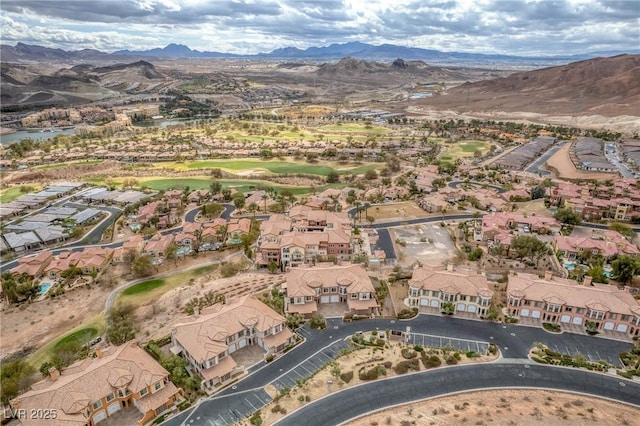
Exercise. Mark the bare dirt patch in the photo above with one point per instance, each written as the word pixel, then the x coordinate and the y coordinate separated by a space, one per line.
pixel 506 407
pixel 429 244
pixel 158 316
pixel 560 163
pixel 406 210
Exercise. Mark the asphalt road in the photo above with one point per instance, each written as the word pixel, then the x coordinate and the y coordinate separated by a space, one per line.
pixel 320 347
pixel 342 406
pixel 539 162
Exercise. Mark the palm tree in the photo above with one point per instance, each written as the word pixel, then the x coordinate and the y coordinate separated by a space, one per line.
pixel 253 207
pixel 265 197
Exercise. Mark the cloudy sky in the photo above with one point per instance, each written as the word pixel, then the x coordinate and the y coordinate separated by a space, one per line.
pixel 252 26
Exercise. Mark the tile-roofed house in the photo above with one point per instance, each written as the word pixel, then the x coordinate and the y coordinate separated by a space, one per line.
pixel 468 290
pixel 563 301
pixel 33 265
pixel 328 283
pixel 157 245
pixel 236 228
pixel 93 389
pixel 209 340
pixel 606 243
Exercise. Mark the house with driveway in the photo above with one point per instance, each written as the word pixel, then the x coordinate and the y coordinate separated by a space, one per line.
pixel 308 287
pixel 563 301
pixel 91 390
pixel 209 340
pixel 468 291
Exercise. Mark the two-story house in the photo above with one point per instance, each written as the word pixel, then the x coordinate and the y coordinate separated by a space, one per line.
pixel 209 341
pixel 308 286
pixel 93 389
pixel 563 301
pixel 468 291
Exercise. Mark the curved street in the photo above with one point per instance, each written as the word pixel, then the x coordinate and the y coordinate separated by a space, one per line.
pixel 340 407
pixel 514 341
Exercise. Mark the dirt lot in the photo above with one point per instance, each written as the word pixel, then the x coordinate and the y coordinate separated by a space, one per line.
pixel 430 244
pixel 398 211
pixel 507 407
pixel 561 165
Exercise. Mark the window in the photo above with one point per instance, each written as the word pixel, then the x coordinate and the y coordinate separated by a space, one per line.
pixel 143 392
pixel 568 308
pixel 120 393
pixel 110 397
pixel 97 405
pixel 325 290
pixel 613 315
pixel 158 386
pixel 308 298
pixel 435 294
pixel 354 295
pixel 334 289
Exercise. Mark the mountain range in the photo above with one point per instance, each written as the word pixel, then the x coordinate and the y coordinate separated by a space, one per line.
pixel 24 52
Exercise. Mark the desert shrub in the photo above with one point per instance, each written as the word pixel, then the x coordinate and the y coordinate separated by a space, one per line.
pixel 457 356
pixel 346 376
pixel 418 348
pixel 387 364
pixel 407 313
pixel 432 361
pixel 451 360
pixel 403 366
pixel 408 353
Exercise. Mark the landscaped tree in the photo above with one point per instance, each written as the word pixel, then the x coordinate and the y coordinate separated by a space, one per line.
pixel 239 201
pixel 624 268
pixel 141 266
pixel 447 308
pixel 211 210
pixel 622 228
pixel 215 187
pixel 121 324
pixel 15 379
pixel 537 192
pixel 568 216
pixel 333 177
pixel 253 208
pixel 272 266
pixel 528 246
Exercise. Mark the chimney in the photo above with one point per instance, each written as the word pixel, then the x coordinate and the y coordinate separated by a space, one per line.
pixel 548 275
pixel 54 374
pixel 99 353
pixel 449 267
pixel 587 280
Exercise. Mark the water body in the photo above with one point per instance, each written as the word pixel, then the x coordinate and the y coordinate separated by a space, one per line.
pixel 36 136
pixel 167 123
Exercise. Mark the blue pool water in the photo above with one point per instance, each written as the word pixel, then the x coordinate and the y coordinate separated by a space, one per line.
pixel 182 250
pixel 569 266
pixel 44 288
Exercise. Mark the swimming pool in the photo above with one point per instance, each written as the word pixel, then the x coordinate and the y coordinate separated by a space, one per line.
pixel 182 251
pixel 44 288
pixel 569 266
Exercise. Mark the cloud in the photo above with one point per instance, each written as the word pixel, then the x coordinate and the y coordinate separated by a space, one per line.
pixel 249 26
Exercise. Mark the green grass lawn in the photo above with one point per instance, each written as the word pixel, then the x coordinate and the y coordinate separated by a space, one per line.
pixel 10 194
pixel 143 287
pixel 155 288
pixel 240 185
pixel 354 128
pixel 97 323
pixel 274 166
pixel 463 149
pixel 83 336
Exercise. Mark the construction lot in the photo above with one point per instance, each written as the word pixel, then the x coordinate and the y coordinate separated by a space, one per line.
pixel 429 244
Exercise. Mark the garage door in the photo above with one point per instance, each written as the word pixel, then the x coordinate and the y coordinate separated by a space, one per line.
pixel 325 299
pixel 524 313
pixel 461 307
pixel 565 318
pixel 577 320
pixel 609 325
pixel 435 304
pixel 471 308
pixel 424 302
pixel 113 408
pixel 99 416
pixel 335 299
pixel 622 328
pixel 535 314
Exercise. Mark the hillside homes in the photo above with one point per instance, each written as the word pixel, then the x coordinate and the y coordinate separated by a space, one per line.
pixel 209 341
pixel 468 291
pixel 563 301
pixel 305 236
pixel 310 286
pixel 94 389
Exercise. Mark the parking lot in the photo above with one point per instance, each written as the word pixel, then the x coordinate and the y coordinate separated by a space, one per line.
pixel 463 345
pixel 589 353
